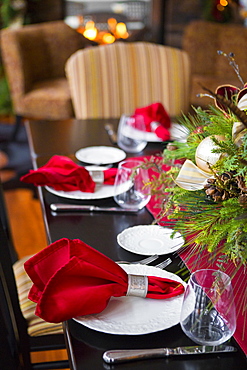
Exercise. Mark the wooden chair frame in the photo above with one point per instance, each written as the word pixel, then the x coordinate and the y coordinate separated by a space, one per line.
pixel 19 343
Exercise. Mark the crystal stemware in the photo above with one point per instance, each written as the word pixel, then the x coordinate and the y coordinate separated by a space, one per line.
pixel 208 312
pixel 131 185
pixel 131 133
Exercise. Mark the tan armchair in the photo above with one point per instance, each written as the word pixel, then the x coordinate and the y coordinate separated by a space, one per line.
pixel 202 40
pixel 111 80
pixel 34 58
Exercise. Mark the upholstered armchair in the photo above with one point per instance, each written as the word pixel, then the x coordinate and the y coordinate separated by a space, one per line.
pixel 202 40
pixel 115 79
pixel 34 58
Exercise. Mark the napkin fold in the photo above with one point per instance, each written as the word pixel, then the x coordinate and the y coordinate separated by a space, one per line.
pixel 156 119
pixel 72 279
pixel 109 176
pixel 61 173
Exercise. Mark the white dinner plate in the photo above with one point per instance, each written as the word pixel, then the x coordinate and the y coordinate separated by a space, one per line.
pixel 100 155
pixel 149 239
pixel 101 191
pixel 134 315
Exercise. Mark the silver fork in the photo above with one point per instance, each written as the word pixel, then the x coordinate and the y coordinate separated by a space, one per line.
pixel 144 261
pixel 164 263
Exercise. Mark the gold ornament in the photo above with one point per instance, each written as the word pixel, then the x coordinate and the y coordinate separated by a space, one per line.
pixel 204 155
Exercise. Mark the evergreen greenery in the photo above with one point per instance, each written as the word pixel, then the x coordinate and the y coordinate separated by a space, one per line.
pixel 204 222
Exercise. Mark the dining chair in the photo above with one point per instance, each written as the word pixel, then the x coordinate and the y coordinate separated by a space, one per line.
pixel 6 358
pixel 202 40
pixel 6 226
pixel 33 58
pixel 111 80
pixel 26 333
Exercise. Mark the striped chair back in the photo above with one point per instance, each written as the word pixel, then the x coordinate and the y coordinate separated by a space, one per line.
pixel 110 80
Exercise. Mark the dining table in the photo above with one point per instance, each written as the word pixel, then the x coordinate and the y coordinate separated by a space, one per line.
pixel 86 345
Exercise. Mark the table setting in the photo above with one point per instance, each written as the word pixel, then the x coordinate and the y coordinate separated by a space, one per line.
pixel 96 165
pixel 121 227
pixel 71 268
pixel 95 173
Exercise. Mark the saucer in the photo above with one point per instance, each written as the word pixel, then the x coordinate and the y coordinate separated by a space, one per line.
pixel 100 155
pixel 150 239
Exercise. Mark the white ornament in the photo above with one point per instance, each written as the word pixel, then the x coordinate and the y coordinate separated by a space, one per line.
pixel 204 154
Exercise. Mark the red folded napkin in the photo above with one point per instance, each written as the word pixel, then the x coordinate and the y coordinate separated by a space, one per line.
pixel 72 279
pixel 61 173
pixel 156 113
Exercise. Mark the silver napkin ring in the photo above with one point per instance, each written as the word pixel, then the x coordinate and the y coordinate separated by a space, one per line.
pixel 137 285
pixel 97 176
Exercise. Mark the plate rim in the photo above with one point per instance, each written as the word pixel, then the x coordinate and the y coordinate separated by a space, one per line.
pixel 107 147
pixel 66 195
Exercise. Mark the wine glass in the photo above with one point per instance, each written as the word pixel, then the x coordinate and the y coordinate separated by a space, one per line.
pixel 131 133
pixel 131 188
pixel 208 314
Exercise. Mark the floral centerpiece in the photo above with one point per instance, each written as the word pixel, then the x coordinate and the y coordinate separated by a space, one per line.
pixel 200 188
pixel 205 188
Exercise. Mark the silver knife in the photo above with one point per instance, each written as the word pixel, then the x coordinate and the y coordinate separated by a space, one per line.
pixel 116 356
pixel 111 133
pixel 61 207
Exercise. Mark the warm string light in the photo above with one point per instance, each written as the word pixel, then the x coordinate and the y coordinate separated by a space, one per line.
pixel 116 31
pixel 121 31
pixel 90 31
pixel 112 22
pixel 222 4
pixel 108 38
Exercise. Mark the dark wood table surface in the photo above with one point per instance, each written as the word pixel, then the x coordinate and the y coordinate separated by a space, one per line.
pixel 99 230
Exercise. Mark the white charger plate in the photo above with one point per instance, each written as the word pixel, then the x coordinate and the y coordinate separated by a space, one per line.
pixel 100 155
pixel 149 239
pixel 134 315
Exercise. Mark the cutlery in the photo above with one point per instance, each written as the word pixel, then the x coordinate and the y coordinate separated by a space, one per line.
pixel 117 356
pixel 144 261
pixel 61 207
pixel 111 133
pixel 163 264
